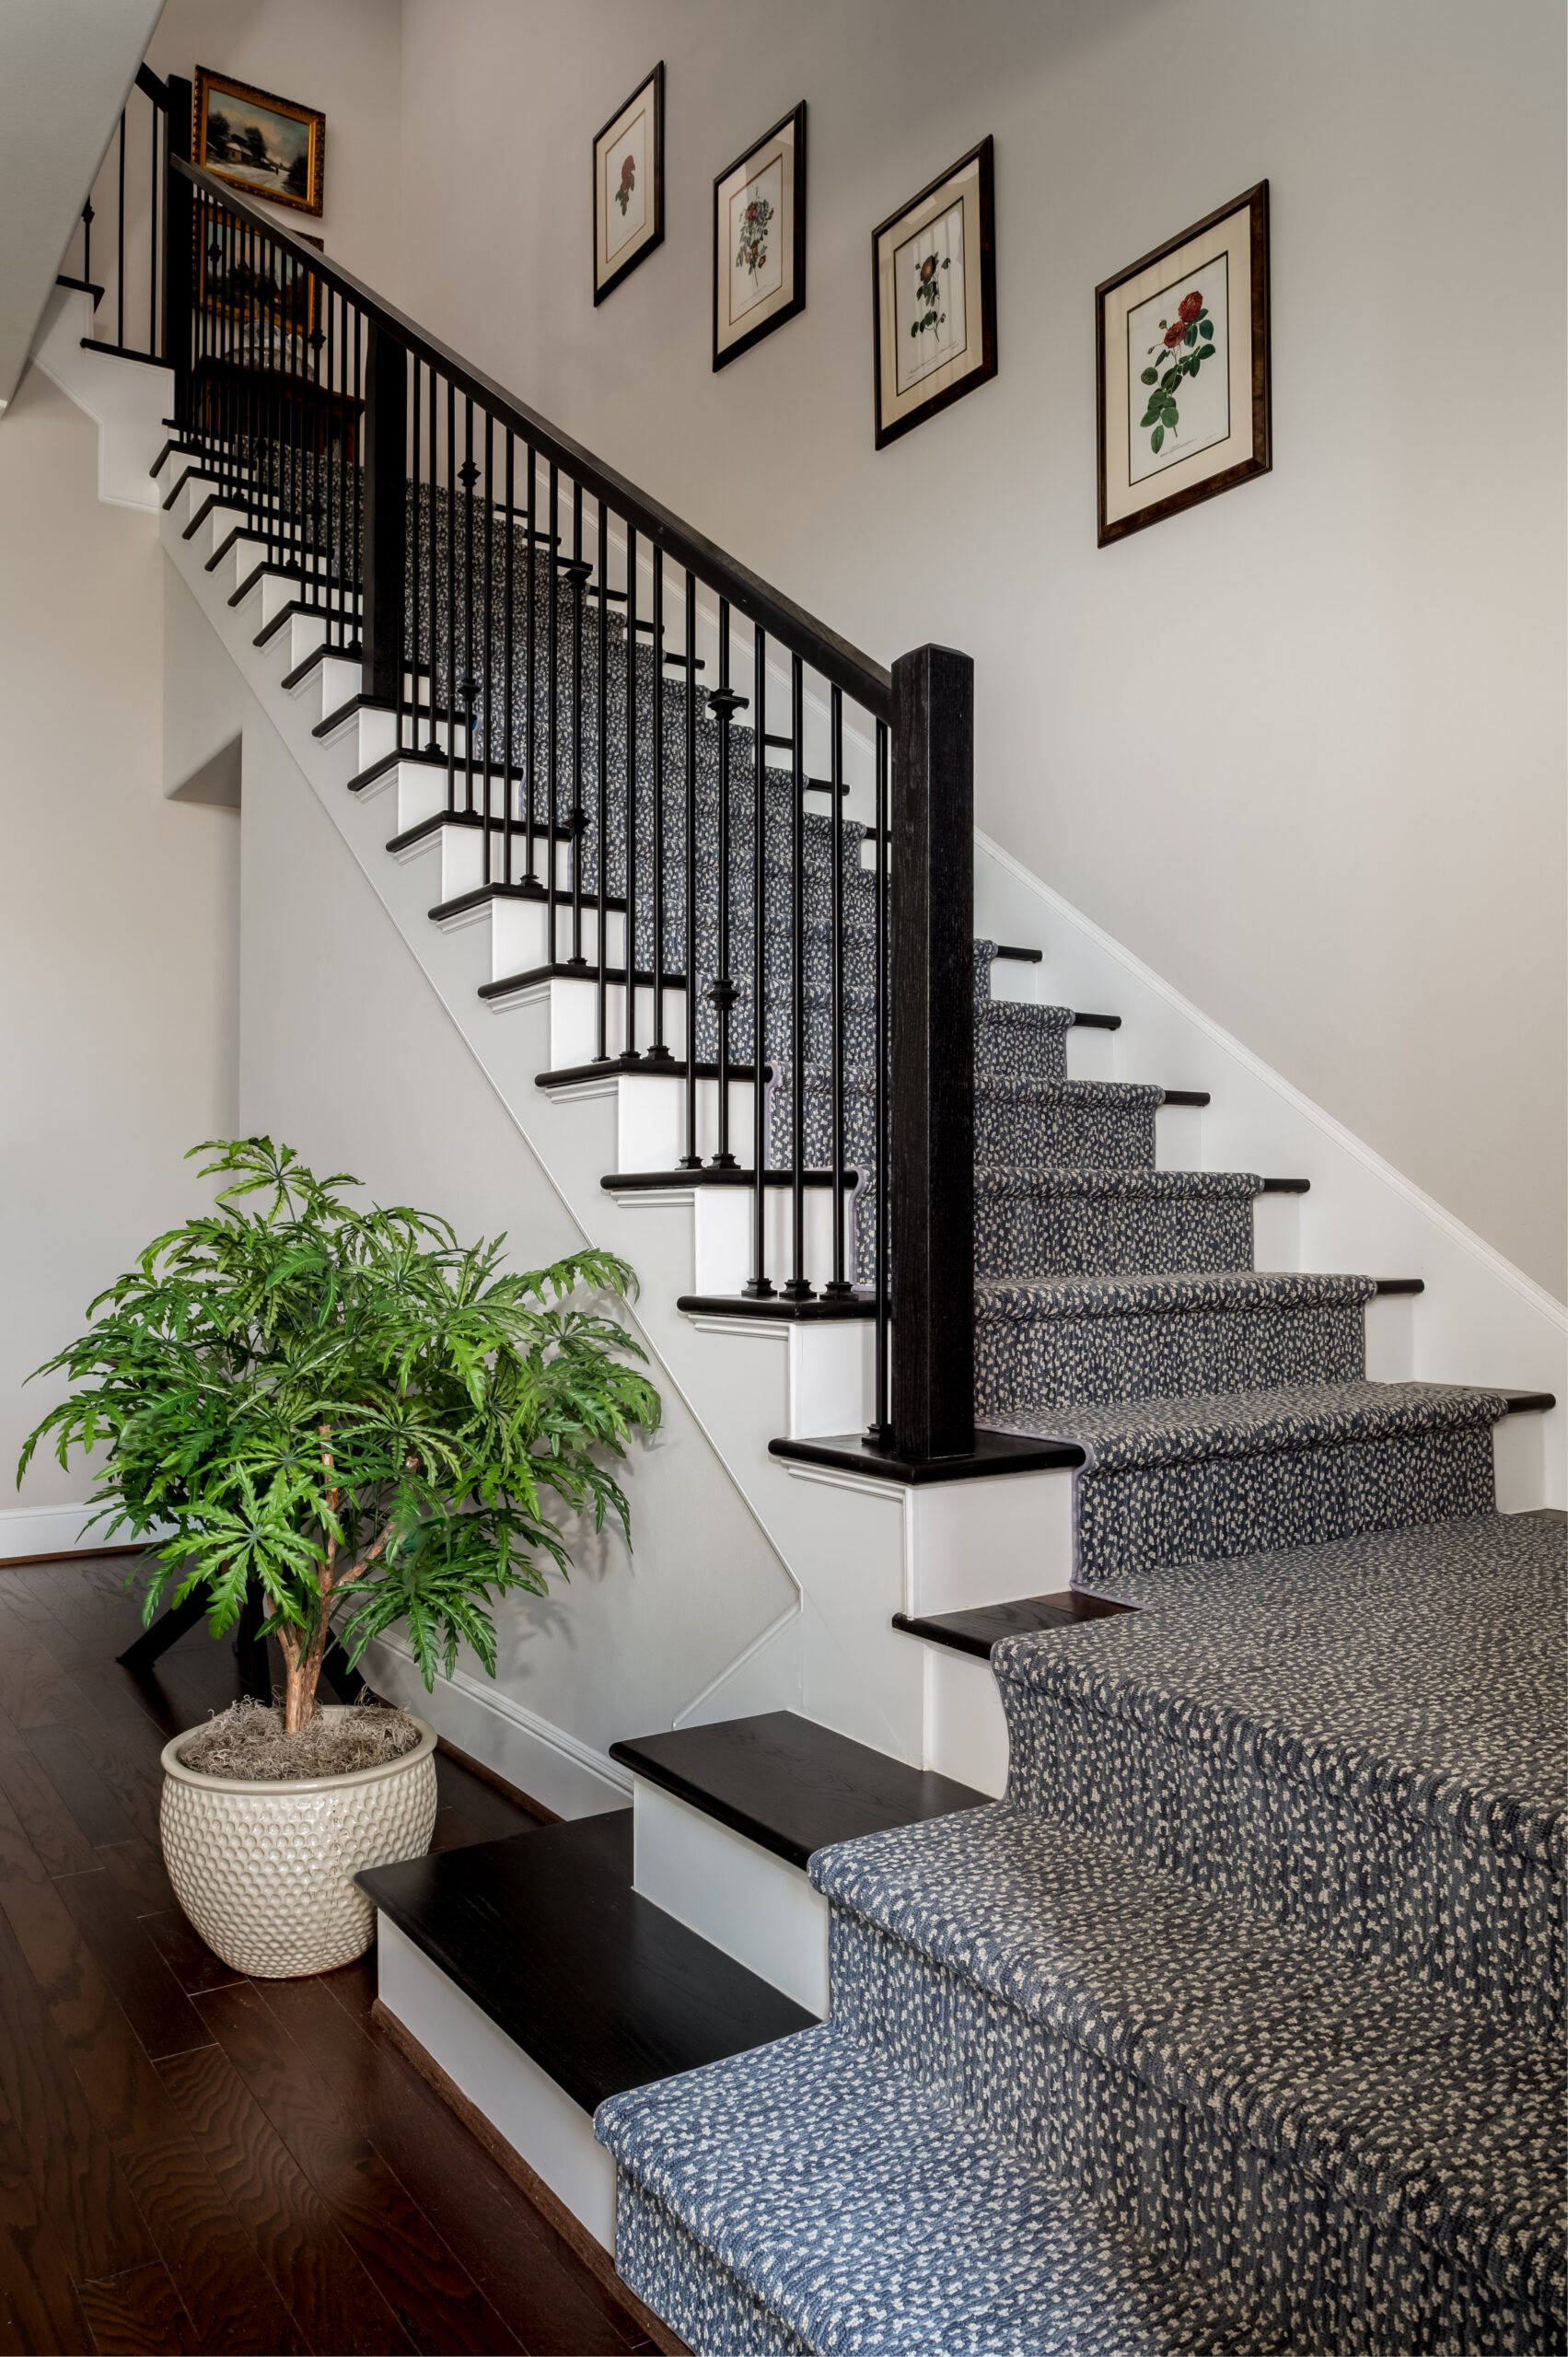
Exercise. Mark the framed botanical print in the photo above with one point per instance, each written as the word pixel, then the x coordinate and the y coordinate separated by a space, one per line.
pixel 760 240
pixel 629 185
pixel 268 146
pixel 1182 364
pixel 934 296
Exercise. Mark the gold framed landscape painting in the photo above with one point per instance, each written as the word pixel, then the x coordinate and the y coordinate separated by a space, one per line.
pixel 629 185
pixel 1182 366
pixel 265 145
pixel 760 240
pixel 934 296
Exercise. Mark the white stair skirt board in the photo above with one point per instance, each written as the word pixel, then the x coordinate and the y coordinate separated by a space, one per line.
pixel 551 1767
pixel 552 2133
pixel 755 1906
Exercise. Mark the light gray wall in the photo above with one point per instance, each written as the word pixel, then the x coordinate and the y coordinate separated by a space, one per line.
pixel 118 914
pixel 1301 749
pixel 348 1055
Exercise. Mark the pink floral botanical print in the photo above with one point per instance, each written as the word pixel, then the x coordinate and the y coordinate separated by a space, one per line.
pixel 1184 353
pixel 928 293
pixel 628 182
pixel 754 224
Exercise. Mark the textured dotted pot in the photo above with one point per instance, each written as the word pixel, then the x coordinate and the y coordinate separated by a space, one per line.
pixel 265 1872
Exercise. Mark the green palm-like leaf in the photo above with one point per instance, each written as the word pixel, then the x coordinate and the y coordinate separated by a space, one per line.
pixel 301 1390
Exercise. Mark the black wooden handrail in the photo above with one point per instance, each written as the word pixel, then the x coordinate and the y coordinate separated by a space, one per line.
pixel 843 665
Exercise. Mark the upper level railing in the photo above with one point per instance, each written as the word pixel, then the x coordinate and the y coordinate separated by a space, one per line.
pixel 117 255
pixel 750 842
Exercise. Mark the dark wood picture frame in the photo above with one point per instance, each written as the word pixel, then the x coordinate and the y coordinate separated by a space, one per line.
pixel 1255 201
pixel 796 303
pixel 206 84
pixel 655 238
pixel 983 157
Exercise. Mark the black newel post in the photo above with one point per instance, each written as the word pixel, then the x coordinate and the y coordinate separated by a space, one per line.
pixel 930 1175
pixel 179 249
pixel 385 560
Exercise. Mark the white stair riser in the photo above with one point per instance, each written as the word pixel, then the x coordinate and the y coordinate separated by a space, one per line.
pixel 1091 1052
pixel 555 2135
pixel 1276 1232
pixel 965 1731
pixel 520 935
pixel 573 1023
pixel 1178 1137
pixel 829 1370
pixel 1390 1338
pixel 758 1908
pixel 723 1228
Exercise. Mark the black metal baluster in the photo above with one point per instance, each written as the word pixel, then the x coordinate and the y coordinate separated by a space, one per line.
pixel 412 674
pixel 795 1287
pixel 120 237
pixel 487 685
pixel 152 250
pixel 602 847
pixel 838 1285
pixel 87 242
pixel 470 475
pixel 530 645
pixel 552 720
pixel 691 1159
pixel 629 1044
pixel 881 1428
pixel 658 1046
pixel 508 685
pixel 724 703
pixel 451 594
pixel 757 1287
pixel 579 573
pixel 358 413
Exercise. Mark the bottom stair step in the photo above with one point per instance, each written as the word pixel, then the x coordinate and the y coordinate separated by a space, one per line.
pixel 540 1983
pixel 810 2197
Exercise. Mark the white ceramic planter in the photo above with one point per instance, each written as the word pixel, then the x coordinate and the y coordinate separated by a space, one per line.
pixel 265 1872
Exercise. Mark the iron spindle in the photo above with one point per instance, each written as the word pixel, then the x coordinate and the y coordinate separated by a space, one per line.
pixel 795 1287
pixel 508 570
pixel 357 540
pixel 881 1429
pixel 451 698
pixel 601 839
pixel 691 1159
pixel 579 573
pixel 488 679
pixel 87 241
pixel 757 1287
pixel 838 1285
pixel 412 585
pixel 629 1044
pixel 529 636
pixel 724 703
pixel 119 240
pixel 551 724
pixel 470 682
pixel 657 1048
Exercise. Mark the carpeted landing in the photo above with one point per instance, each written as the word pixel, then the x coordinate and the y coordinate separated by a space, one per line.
pixel 1237 2026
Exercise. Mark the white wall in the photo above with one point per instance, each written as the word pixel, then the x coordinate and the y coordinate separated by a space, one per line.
pixel 118 916
pixel 1300 749
pixel 347 1053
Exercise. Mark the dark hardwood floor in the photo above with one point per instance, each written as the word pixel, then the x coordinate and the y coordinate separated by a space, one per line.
pixel 190 2160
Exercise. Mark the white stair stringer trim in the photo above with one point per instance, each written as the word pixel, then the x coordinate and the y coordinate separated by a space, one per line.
pixel 537 2119
pixel 564 1775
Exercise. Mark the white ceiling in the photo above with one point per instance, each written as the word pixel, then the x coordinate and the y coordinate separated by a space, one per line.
pixel 65 68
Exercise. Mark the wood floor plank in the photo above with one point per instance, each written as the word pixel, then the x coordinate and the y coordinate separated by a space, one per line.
pixel 335 2303
pixel 138 2315
pixel 186 1954
pixel 94 1806
pixel 70 2161
pixel 35 2274
pixel 537 2284
pixel 436 2301
pixel 48 1825
pixel 176 2200
pixel 151 1998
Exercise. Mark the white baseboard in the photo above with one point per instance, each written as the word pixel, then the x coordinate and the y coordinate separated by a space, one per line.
pixel 25 1531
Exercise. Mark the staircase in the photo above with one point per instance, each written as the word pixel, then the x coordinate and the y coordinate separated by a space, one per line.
pixel 1120 1910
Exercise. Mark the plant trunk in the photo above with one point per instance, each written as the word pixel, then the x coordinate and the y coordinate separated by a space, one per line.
pixel 299 1693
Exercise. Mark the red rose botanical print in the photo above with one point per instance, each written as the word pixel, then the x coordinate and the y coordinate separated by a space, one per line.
pixel 1186 342
pixel 628 182
pixel 928 293
pixel 754 222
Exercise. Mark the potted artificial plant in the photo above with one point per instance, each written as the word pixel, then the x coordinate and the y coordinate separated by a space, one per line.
pixel 370 1427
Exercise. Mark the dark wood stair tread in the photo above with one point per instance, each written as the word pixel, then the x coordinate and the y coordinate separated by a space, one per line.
pixel 790 1785
pixel 602 1989
pixel 976 1632
pixel 993 1453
